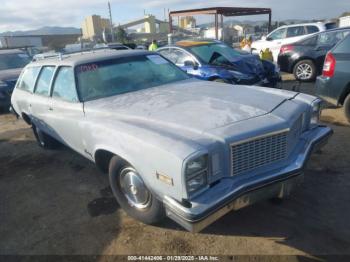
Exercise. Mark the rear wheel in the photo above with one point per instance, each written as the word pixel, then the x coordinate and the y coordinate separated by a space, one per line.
pixel 305 71
pixel 132 194
pixel 43 139
pixel 346 106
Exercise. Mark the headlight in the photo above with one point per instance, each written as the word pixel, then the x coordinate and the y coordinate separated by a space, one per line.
pixel 315 112
pixel 196 171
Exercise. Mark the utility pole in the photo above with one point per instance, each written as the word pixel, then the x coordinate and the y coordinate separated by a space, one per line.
pixel 110 20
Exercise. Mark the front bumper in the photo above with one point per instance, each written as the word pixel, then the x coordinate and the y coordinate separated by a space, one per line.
pixel 278 184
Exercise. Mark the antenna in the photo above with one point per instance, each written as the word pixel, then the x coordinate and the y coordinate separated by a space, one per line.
pixel 110 20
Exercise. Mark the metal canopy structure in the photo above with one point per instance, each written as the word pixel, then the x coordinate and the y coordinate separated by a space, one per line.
pixel 220 11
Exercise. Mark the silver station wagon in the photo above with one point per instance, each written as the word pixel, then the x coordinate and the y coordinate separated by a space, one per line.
pixel 172 145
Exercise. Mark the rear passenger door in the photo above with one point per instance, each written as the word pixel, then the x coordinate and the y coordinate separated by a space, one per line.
pixel 66 112
pixel 40 104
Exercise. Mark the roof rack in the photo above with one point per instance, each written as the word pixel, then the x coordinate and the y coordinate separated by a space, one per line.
pixel 47 55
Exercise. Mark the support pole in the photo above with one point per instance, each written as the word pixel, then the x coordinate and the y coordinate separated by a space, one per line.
pixel 270 20
pixel 216 27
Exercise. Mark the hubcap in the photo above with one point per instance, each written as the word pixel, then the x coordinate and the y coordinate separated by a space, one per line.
pixel 304 71
pixel 134 189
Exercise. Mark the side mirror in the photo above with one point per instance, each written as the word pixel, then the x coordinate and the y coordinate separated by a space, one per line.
pixel 190 63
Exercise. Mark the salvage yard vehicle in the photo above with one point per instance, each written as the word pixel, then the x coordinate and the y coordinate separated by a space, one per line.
pixel 288 34
pixel 305 58
pixel 12 62
pixel 172 145
pixel 334 84
pixel 215 61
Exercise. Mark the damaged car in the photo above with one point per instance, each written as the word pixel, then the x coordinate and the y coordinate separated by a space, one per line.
pixel 172 145
pixel 213 60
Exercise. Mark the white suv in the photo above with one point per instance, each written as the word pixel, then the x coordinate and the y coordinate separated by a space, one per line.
pixel 285 35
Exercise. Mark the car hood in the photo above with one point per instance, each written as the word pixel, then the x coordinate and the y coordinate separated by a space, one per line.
pixel 191 104
pixel 10 74
pixel 248 64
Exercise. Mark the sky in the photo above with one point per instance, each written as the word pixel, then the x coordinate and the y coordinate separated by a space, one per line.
pixel 33 14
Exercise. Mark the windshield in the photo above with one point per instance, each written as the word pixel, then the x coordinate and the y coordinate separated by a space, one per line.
pixel 123 75
pixel 11 61
pixel 216 53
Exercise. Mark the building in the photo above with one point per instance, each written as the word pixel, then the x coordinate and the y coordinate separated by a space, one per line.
pixel 187 22
pixel 94 26
pixel 344 21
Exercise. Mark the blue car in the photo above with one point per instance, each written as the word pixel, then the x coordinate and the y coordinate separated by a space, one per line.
pixel 215 61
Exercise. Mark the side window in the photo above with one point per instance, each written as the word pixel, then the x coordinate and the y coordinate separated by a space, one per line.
pixel 166 53
pixel 312 29
pixel 295 31
pixel 170 54
pixel 311 41
pixel 43 84
pixel 344 46
pixel 182 57
pixel 28 79
pixel 330 38
pixel 64 85
pixel 278 34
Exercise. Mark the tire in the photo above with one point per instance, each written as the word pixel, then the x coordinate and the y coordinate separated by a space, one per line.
pixel 44 141
pixel 305 71
pixel 149 209
pixel 346 106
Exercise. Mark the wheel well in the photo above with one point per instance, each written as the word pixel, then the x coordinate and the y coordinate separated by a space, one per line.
pixel 344 94
pixel 26 119
pixel 102 159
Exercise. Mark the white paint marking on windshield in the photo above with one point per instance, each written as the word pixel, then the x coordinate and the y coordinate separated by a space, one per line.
pixel 157 59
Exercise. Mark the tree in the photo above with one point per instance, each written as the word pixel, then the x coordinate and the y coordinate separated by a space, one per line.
pixel 121 35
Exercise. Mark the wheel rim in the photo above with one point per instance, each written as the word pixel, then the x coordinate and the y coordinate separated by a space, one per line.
pixel 304 71
pixel 40 136
pixel 134 189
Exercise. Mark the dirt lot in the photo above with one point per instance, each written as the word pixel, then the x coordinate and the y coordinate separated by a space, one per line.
pixel 56 202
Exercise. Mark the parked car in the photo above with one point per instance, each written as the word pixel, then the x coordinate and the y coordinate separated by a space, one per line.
pixel 305 58
pixel 172 145
pixel 334 84
pixel 215 61
pixel 12 62
pixel 285 35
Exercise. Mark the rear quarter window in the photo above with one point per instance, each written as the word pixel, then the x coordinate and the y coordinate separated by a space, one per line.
pixel 28 79
pixel 344 46
pixel 44 80
pixel 312 29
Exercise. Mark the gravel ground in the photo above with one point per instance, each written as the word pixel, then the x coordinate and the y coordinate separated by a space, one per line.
pixel 56 202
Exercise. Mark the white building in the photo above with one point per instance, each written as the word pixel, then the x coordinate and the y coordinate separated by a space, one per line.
pixel 344 21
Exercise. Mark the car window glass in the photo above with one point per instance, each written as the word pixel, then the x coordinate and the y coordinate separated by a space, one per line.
pixel 295 31
pixel 311 41
pixel 64 85
pixel 28 79
pixel 312 29
pixel 182 57
pixel 170 54
pixel 43 84
pixel 344 46
pixel 278 34
pixel 124 75
pixel 330 38
pixel 11 61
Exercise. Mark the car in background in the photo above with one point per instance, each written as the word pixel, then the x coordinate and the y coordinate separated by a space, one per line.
pixel 305 58
pixel 12 62
pixel 172 145
pixel 215 61
pixel 287 34
pixel 334 84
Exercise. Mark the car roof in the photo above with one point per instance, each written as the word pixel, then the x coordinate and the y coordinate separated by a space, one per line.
pixel 87 57
pixel 11 51
pixel 327 31
pixel 318 24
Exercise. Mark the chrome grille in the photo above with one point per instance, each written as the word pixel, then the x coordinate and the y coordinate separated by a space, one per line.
pixel 257 152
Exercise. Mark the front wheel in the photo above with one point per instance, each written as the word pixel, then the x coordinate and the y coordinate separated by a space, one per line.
pixel 305 71
pixel 346 106
pixel 133 195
